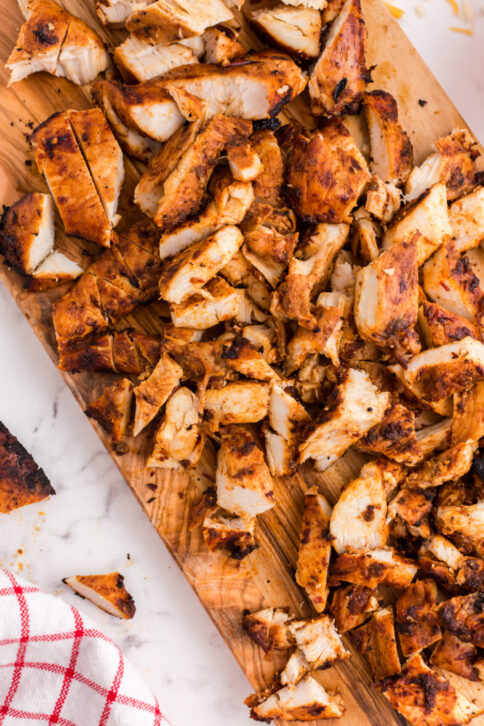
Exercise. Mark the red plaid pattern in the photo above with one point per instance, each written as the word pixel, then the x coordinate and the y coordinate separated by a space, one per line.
pixel 56 667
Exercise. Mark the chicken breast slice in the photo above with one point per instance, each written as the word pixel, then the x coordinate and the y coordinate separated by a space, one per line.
pixel 295 29
pixel 83 54
pixel 440 326
pixel 234 534
pixel 466 217
pixel 178 441
pixel 391 148
pixel 116 12
pixel 242 356
pixel 166 21
pixel 434 437
pixel 243 160
pixel 314 549
pixel 383 199
pixel 112 409
pixel 319 641
pixel 448 466
pixel 139 60
pixel 452 654
pixel 377 641
pixel 55 269
pixel 463 524
pixel 238 402
pixel 395 436
pixel 154 391
pixel 351 605
pixel 108 592
pixel 306 701
pixel 418 622
pixel 27 232
pixel 268 628
pixel 221 45
pixel 373 567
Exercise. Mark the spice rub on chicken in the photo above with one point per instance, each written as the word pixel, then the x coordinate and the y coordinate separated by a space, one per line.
pixel 391 148
pixel 314 549
pixel 166 21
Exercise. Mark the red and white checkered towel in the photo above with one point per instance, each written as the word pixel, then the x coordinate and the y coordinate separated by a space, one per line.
pixel 56 667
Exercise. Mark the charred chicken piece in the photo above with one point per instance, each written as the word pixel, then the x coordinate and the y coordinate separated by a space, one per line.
pixel 383 199
pixel 319 641
pixel 458 657
pixel 376 640
pixel 178 441
pixel 351 605
pixel 307 701
pixel 463 524
pixel 447 466
pixel 154 391
pixel 27 232
pixel 112 409
pixel 411 508
pixel 464 616
pixel 418 622
pixel 372 567
pixel 269 628
pixel 166 21
pixel 314 549
pixel 221 46
pixel 237 535
pixel 395 436
pixel 391 148
pixel 468 421
pixel 295 29
pixel 440 326
pixel 238 402
pixel 108 592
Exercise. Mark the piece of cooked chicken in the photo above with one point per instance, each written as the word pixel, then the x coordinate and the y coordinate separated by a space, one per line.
pixel 112 409
pixel 326 175
pixel 365 236
pixel 221 46
pixel 138 60
pixel 178 441
pixel 386 299
pixel 188 271
pixel 295 669
pixel 376 640
pixel 255 87
pixel 268 184
pixel 440 326
pixel 418 623
pixel 244 484
pixel 383 199
pixel 411 508
pixel 448 466
pixel 372 567
pixel 295 29
pixel 78 313
pixel 351 605
pixel 307 701
pixel 353 407
pixel 452 164
pixel 243 160
pixel 55 41
pixel 464 616
pixel 391 148
pixel 319 641
pixel 429 216
pixel 166 21
pixel 395 436
pixel 435 437
pixel 338 80
pixel 154 391
pixel 358 520
pixel 328 314
pixel 314 548
pixel 56 269
pixel 466 217
pixel 21 480
pixel 27 232
pixel 440 559
pixel 468 419
pixel 116 12
pixel 464 525
pixel 126 352
pixel 268 628
pixel 108 592
pixel 237 535
pixel 238 402
pixel 242 356
pixel 60 160
pixel 452 654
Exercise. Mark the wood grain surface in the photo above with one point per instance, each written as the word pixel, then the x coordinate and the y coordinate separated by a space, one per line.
pixel 264 578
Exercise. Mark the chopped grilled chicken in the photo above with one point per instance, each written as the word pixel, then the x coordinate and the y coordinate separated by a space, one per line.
pixel 56 269
pixel 376 640
pixel 244 484
pixel 243 161
pixel 112 409
pixel 395 436
pixel 187 273
pixel 21 480
pixel 140 61
pixel 452 164
pixel 166 21
pixel 125 352
pixel 307 701
pixel 364 239
pixel 468 419
pixel 239 272
pixel 116 12
pixel 27 232
pixel 60 160
pixel 154 391
pixel 372 567
pixel 244 357
pixel 55 41
pixel 466 217
pixel 230 533
pixel 439 326
pixel 103 156
pixel 383 199
pixel 464 616
pixel 78 313
pixel 339 78
pixel 295 669
pixel 326 175
pixel 452 654
pixel 328 314
pixel 386 299
pixel 314 549
pixel 256 87
pixel 411 508
pixel 440 559
pixel 146 111
pixel 391 473
pixel 434 437
pixel 391 148
pixel 351 605
pixel 429 216
pixel 295 29
pixel 178 441
pixel 423 696
pixel 239 402
pixel 269 628
pixel 268 184
pixel 106 591
pixel 464 525
pixel 132 143
pixel 447 466
pixel 319 641
pixel 353 407
pixel 263 337
pixel 286 414
pixel 221 47
pixel 418 622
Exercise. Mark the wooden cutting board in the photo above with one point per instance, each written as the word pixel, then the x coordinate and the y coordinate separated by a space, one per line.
pixel 265 578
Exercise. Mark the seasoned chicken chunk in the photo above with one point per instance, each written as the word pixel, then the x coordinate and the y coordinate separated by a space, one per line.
pixel 154 391
pixel 269 628
pixel 411 508
pixel 60 160
pixel 466 217
pixel 429 216
pixel 439 558
pixel 230 533
pixel 116 12
pixel 27 232
pixel 108 592
pixel 221 46
pixel 447 466
pixel 372 567
pixel 138 60
pixel 383 199
pixel 326 174
pixel 423 696
pixel 353 407
pixel 351 605
pixel 395 436
pixel 418 622
pixel 112 409
pixel 268 184
pixel 376 640
pixel 452 164
pixel 468 419
pixel 386 299
pixel 464 616
pixel 307 701
pixel 295 29
pixel 178 441
pixel 464 524
pixel 319 641
pixel 127 352
pixel 238 402
pixel 242 356
pixel 458 657
pixel 314 549
pixel 338 80
pixel 243 160
pixel 440 326
pixel 391 148
pixel 328 314
pixel 295 669
pixel 78 313
pixel 56 269
pixel 83 54
pixel 187 273
pixel 166 21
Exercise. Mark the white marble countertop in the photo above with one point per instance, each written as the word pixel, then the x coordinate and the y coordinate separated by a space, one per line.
pixel 94 523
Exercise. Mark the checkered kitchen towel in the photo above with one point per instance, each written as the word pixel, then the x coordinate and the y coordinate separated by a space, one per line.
pixel 56 667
